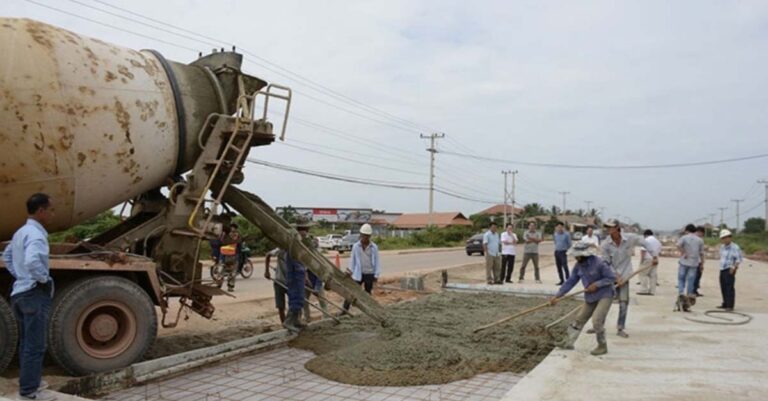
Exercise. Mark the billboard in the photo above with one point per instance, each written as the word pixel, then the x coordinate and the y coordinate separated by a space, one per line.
pixel 332 215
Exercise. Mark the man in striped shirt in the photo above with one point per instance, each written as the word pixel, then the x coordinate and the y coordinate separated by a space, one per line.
pixel 730 259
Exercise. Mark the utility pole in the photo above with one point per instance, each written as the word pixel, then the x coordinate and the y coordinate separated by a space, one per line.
pixel 722 211
pixel 512 217
pixel 432 150
pixel 589 209
pixel 506 194
pixel 712 223
pixel 564 193
pixel 766 201
pixel 738 201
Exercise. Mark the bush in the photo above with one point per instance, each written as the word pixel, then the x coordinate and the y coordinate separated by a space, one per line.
pixel 749 243
pixel 429 238
pixel 754 225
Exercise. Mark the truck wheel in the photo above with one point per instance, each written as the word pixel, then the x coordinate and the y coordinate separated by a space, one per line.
pixel 99 324
pixel 9 334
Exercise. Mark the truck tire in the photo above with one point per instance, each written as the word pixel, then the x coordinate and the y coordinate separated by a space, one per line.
pixel 9 334
pixel 100 324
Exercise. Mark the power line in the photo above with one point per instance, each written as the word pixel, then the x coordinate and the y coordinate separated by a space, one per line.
pixel 365 181
pixel 350 159
pixel 601 167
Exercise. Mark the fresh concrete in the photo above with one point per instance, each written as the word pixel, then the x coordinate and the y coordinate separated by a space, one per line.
pixel 666 357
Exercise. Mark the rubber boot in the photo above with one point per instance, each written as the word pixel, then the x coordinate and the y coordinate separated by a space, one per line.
pixel 602 345
pixel 291 321
pixel 570 338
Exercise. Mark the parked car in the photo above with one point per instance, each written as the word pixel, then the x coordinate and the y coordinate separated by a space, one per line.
pixel 347 242
pixel 330 241
pixel 475 245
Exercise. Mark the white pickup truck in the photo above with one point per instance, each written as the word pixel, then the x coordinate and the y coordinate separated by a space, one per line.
pixel 330 241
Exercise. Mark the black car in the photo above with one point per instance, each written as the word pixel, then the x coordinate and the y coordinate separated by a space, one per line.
pixel 475 245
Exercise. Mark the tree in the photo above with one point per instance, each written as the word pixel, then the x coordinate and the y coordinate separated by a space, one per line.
pixel 754 225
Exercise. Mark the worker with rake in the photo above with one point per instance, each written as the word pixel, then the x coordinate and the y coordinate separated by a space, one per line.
pixel 598 279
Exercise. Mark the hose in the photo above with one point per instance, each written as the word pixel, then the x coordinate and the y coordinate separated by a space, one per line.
pixel 726 322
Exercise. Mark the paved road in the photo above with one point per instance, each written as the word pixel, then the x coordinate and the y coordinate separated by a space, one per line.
pixel 393 264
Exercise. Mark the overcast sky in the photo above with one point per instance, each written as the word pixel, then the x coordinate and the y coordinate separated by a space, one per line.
pixel 608 83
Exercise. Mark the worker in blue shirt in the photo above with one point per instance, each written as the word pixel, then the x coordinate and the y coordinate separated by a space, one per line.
pixel 26 258
pixel 562 245
pixel 598 279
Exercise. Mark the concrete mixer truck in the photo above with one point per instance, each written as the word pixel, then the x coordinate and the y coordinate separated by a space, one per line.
pixel 96 125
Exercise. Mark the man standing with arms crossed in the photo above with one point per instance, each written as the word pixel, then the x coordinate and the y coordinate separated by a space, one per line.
pixel 491 248
pixel 508 242
pixel 691 248
pixel 26 258
pixel 562 245
pixel 531 252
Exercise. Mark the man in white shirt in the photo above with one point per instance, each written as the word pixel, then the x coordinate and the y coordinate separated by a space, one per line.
pixel 508 241
pixel 649 256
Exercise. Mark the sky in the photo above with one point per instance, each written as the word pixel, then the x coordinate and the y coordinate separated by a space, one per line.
pixel 579 83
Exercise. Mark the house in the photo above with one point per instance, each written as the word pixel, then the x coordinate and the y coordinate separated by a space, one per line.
pixel 418 221
pixel 499 210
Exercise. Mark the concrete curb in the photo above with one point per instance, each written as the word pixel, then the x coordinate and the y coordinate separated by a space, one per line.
pixel 175 364
pixel 501 289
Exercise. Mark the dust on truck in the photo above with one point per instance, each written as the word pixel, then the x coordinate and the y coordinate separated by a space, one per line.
pixel 96 125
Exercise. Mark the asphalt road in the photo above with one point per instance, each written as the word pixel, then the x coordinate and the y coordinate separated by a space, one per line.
pixel 393 264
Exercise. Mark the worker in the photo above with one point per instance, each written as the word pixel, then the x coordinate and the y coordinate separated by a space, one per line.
pixel 230 242
pixel 491 249
pixel 26 259
pixel 532 239
pixel 649 260
pixel 562 245
pixel 730 259
pixel 364 264
pixel 278 282
pixel 700 232
pixel 617 252
pixel 296 276
pixel 691 249
pixel 597 278
pixel 312 284
pixel 590 238
pixel 508 242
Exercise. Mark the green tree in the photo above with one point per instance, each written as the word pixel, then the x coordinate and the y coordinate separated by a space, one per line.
pixel 87 229
pixel 754 225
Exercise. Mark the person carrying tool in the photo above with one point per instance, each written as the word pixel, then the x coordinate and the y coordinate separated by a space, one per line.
pixel 562 245
pixel 730 259
pixel 617 252
pixel 278 282
pixel 230 243
pixel 364 264
pixel 598 279
pixel 649 256
pixel 691 248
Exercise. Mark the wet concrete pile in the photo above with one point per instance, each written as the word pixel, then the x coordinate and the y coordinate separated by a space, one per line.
pixel 431 341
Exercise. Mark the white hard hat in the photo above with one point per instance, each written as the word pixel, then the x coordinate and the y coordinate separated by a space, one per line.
pixel 725 233
pixel 366 229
